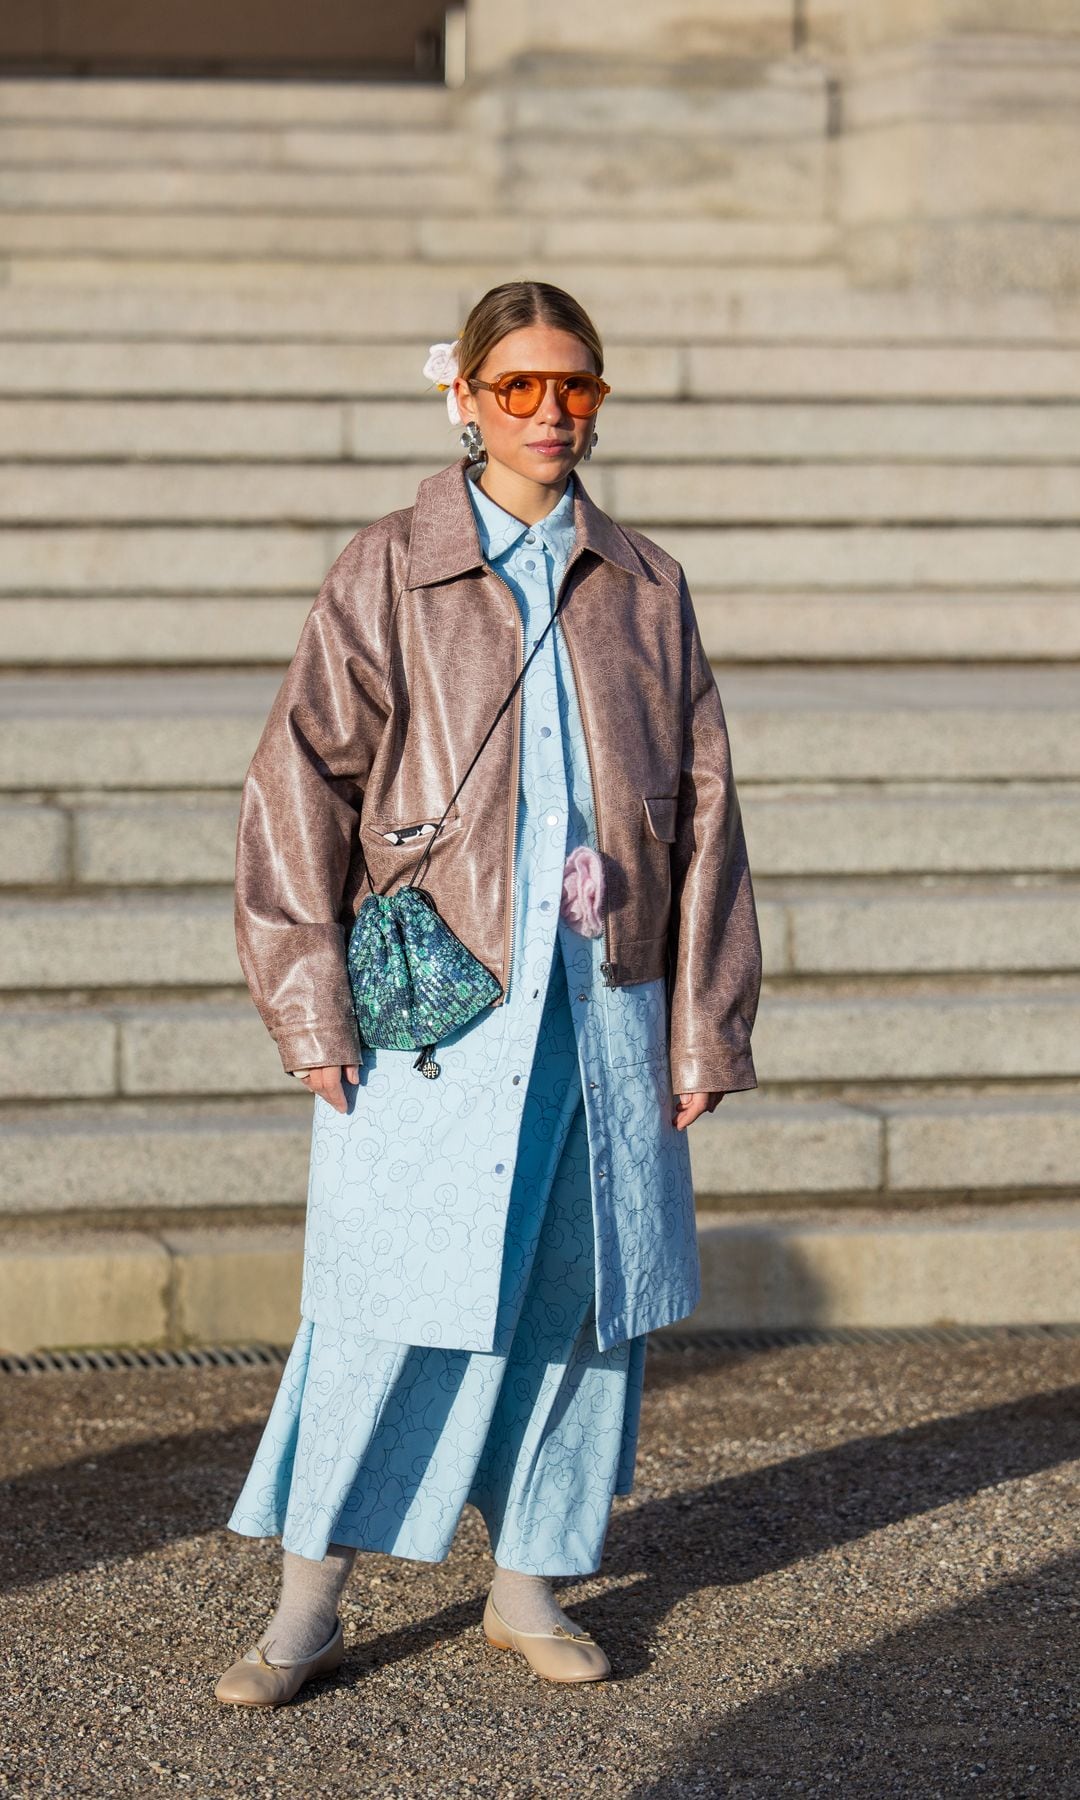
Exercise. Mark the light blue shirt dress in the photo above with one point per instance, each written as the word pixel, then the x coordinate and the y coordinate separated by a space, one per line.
pixel 380 1442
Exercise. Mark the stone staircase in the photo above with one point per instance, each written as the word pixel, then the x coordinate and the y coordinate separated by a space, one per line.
pixel 214 307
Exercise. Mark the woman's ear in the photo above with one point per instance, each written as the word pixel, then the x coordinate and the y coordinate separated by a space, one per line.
pixel 466 399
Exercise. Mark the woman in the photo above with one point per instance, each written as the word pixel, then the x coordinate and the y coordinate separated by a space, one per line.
pixel 486 1250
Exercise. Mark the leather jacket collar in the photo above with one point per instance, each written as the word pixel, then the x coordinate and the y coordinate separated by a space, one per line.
pixel 444 541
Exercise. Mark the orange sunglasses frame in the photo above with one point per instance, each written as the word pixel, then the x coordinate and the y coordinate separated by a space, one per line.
pixel 556 375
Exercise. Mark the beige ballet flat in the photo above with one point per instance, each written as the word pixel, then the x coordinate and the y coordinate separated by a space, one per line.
pixel 558 1655
pixel 253 1681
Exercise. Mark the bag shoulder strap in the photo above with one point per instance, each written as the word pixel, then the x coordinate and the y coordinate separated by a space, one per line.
pixel 414 877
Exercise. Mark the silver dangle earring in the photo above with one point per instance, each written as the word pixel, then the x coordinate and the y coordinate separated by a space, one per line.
pixel 471 441
pixel 588 454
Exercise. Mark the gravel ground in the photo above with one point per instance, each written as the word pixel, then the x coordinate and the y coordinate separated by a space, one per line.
pixel 843 1569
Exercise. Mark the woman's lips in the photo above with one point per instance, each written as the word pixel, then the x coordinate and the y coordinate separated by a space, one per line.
pixel 549 446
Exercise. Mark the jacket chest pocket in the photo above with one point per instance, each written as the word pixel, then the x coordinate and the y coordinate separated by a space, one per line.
pixel 393 847
pixel 660 814
pixel 637 1023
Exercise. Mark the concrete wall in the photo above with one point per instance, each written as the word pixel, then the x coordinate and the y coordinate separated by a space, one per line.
pixel 937 140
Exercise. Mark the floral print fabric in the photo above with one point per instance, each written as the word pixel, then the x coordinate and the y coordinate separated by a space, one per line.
pixel 381 1445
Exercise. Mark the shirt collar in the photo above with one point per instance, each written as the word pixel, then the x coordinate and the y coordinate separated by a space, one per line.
pixel 500 530
pixel 444 534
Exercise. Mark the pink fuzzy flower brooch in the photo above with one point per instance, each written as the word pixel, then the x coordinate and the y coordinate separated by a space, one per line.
pixel 583 892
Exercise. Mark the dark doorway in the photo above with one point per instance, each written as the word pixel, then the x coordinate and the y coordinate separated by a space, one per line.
pixel 320 38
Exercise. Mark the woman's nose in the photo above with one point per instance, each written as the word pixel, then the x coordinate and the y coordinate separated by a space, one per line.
pixel 549 410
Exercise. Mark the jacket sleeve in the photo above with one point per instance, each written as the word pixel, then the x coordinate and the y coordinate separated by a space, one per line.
pixel 299 811
pixel 715 963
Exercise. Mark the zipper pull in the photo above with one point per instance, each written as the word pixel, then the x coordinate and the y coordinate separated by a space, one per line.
pixel 607 970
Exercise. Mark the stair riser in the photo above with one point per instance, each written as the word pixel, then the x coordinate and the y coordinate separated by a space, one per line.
pixel 760 628
pixel 761 1150
pixel 203 493
pixel 273 558
pixel 162 843
pixel 708 436
pixel 212 750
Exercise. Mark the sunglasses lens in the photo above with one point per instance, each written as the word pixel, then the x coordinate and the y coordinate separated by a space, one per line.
pixel 581 395
pixel 521 394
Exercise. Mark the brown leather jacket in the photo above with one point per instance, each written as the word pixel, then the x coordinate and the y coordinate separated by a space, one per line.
pixel 405 657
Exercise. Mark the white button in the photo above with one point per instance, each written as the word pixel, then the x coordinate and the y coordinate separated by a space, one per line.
pixel 545 731
pixel 530 564
pixel 552 819
pixel 530 537
pixel 499 1167
pixel 545 906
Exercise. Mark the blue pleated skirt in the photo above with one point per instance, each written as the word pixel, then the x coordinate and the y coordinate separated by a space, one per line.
pixel 381 1444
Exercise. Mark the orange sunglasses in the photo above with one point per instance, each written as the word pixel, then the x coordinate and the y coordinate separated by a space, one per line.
pixel 521 391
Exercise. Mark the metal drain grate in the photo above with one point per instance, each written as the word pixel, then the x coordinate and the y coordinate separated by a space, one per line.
pixel 213 1356
pixel 265 1356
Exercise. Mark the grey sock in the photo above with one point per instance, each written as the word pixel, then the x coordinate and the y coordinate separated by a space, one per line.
pixel 307 1610
pixel 526 1602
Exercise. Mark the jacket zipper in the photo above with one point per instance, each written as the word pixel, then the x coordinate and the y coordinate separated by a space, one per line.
pixel 515 765
pixel 607 967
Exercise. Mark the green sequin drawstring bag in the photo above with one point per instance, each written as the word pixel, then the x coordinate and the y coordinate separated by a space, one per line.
pixel 413 980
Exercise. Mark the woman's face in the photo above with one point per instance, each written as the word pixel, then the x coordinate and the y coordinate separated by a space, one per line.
pixel 545 447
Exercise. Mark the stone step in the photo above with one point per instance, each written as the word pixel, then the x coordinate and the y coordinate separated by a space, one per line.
pixel 56 209
pixel 773 96
pixel 858 928
pixel 899 372
pixel 377 215
pixel 870 628
pixel 987 927
pixel 181 940
pixel 153 369
pixel 227 104
pixel 217 1046
pixel 946 1266
pixel 61 1159
pixel 590 280
pixel 872 493
pixel 693 494
pixel 270 557
pixel 195 730
pixel 146 1158
pixel 948 338
pixel 976 1145
pixel 706 435
pixel 760 626
pixel 1014 1028
pixel 754 182
pixel 1017 1032
pixel 867 1267
pixel 247 365
pixel 75 1288
pixel 909 829
pixel 818 832
pixel 66 147
pixel 217 632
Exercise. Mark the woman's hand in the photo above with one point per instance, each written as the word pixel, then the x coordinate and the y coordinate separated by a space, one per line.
pixel 327 1083
pixel 691 1106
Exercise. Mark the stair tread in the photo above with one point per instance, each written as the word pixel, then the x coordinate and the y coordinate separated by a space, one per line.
pixel 186 694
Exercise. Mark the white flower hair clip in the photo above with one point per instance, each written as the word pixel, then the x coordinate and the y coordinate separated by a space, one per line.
pixel 441 368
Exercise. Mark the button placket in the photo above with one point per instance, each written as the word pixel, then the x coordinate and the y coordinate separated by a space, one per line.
pixel 546 893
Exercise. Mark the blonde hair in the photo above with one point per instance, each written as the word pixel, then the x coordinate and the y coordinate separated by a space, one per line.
pixel 517 303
